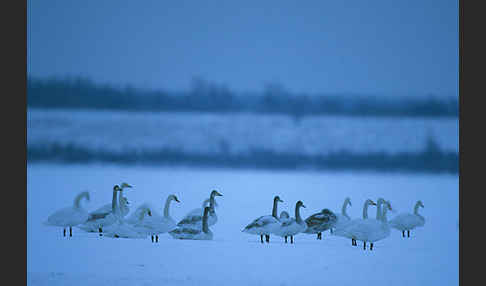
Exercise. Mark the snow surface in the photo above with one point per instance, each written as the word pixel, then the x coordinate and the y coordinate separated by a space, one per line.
pixel 204 133
pixel 429 257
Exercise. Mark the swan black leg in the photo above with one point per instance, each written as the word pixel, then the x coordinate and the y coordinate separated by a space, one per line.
pixel 291 239
pixel 371 246
pixel 100 230
pixel 64 232
pixel 156 238
pixel 364 245
pixel 267 238
pixel 408 233
pixel 285 239
pixel 261 238
pixel 403 233
pixel 332 231
pixel 70 231
pixel 152 238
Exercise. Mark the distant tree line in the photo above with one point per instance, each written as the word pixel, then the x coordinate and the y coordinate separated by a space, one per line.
pixel 204 96
pixel 430 160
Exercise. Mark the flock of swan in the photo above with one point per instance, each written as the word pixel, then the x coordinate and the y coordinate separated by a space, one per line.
pixel 111 220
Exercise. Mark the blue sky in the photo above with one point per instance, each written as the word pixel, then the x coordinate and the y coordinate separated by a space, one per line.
pixel 377 47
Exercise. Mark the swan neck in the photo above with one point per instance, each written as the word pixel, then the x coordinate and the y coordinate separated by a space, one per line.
pixel 365 210
pixel 120 199
pixel 298 219
pixel 415 209
pixel 383 216
pixel 142 214
pixel 77 200
pixel 274 211
pixel 343 210
pixel 166 207
pixel 211 202
pixel 113 202
pixel 378 210
pixel 205 228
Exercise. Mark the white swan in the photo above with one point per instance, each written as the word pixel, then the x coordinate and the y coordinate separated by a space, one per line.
pixel 195 220
pixel 161 224
pixel 319 222
pixel 292 226
pixel 407 221
pixel 70 216
pixel 265 225
pixel 341 229
pixel 102 217
pixel 196 234
pixel 372 230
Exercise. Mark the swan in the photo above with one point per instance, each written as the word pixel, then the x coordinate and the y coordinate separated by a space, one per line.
pixel 70 216
pixel 197 234
pixel 102 217
pixel 195 220
pixel 341 228
pixel 372 230
pixel 292 226
pixel 121 228
pixel 343 217
pixel 161 224
pixel 319 222
pixel 265 225
pixel 407 221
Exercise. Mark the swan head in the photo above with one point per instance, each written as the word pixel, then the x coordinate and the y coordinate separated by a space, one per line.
pixel 380 201
pixel 86 195
pixel 370 202
pixel 116 188
pixel 216 193
pixel 388 204
pixel 348 201
pixel 277 198
pixel 284 214
pixel 124 185
pixel 174 197
pixel 420 204
pixel 299 204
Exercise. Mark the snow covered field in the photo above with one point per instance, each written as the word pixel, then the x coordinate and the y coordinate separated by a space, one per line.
pixel 236 133
pixel 429 257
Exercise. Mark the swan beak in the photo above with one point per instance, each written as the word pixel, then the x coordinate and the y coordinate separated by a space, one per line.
pixel 128 202
pixel 280 200
pixel 218 194
pixel 149 213
pixel 373 203
pixel 303 206
pixel 176 200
